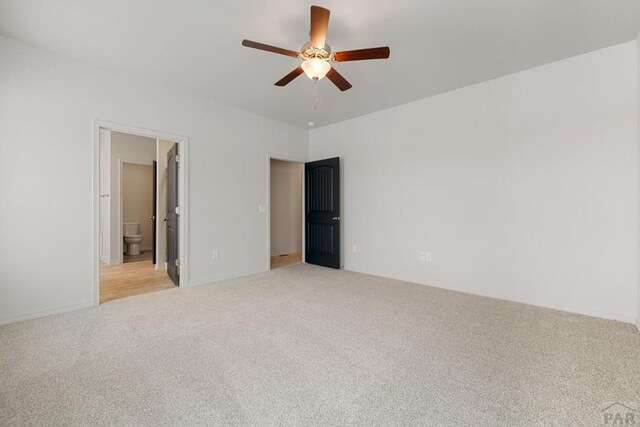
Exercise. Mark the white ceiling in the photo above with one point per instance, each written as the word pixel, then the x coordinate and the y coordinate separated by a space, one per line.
pixel 436 45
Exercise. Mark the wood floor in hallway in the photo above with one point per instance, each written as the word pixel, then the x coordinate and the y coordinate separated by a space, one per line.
pixel 131 278
pixel 284 260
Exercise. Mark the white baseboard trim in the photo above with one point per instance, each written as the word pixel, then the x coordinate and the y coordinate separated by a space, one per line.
pixel 638 324
pixel 88 304
pixel 212 280
pixel 575 310
pixel 28 315
pixel 542 304
pixel 570 309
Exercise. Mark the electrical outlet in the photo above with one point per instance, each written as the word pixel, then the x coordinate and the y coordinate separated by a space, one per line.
pixel 354 248
pixel 215 254
pixel 262 208
pixel 423 256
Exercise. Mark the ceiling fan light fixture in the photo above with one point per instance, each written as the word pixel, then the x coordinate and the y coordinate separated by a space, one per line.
pixel 315 68
pixel 316 54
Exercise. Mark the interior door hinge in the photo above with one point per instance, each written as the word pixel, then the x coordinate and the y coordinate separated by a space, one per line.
pixel 177 263
pixel 177 210
pixel 177 158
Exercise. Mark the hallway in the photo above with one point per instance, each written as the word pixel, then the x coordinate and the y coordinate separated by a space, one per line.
pixel 131 278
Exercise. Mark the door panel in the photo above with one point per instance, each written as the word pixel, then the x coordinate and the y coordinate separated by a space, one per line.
pixel 173 218
pixel 322 212
pixel 154 215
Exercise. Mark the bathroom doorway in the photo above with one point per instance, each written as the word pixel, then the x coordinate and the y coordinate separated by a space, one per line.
pixel 138 211
pixel 141 226
pixel 285 212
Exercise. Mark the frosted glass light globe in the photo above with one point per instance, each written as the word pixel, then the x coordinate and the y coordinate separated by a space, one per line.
pixel 316 68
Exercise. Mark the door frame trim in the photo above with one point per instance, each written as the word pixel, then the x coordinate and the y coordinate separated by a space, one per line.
pixel 183 197
pixel 268 204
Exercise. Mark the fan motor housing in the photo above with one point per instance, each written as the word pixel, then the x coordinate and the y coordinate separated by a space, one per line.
pixel 307 51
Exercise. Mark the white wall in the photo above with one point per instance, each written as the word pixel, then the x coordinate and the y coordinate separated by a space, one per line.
pixel 47 105
pixel 286 207
pixel 105 196
pixel 131 149
pixel 523 188
pixel 137 200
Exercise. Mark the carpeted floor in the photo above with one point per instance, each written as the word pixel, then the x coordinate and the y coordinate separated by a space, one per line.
pixel 305 345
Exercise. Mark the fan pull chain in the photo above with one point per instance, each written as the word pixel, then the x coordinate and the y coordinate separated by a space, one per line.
pixel 316 103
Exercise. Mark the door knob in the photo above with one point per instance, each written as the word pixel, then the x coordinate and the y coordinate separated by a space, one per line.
pixel 336 218
pixel 165 220
pixel 152 217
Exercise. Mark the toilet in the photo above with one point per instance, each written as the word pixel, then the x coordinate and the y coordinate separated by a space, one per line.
pixel 132 237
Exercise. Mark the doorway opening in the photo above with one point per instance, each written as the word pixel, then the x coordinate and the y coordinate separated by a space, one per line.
pixel 286 212
pixel 140 211
pixel 137 210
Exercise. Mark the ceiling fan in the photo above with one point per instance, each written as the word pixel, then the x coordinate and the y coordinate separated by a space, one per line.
pixel 316 55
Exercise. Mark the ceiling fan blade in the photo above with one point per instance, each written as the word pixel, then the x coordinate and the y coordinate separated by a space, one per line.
pixel 338 80
pixel 319 25
pixel 268 48
pixel 362 54
pixel 289 77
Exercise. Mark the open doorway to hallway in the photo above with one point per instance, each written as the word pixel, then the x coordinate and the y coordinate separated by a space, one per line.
pixel 138 214
pixel 285 212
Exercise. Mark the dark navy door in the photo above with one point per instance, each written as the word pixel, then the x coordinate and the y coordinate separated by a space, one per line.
pixel 322 212
pixel 154 215
pixel 173 216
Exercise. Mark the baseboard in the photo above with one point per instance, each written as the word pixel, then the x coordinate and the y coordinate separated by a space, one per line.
pixel 560 307
pixel 46 312
pixel 575 310
pixel 212 280
pixel 638 324
pixel 570 309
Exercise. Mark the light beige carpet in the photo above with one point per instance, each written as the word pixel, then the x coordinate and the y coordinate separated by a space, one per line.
pixel 305 345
